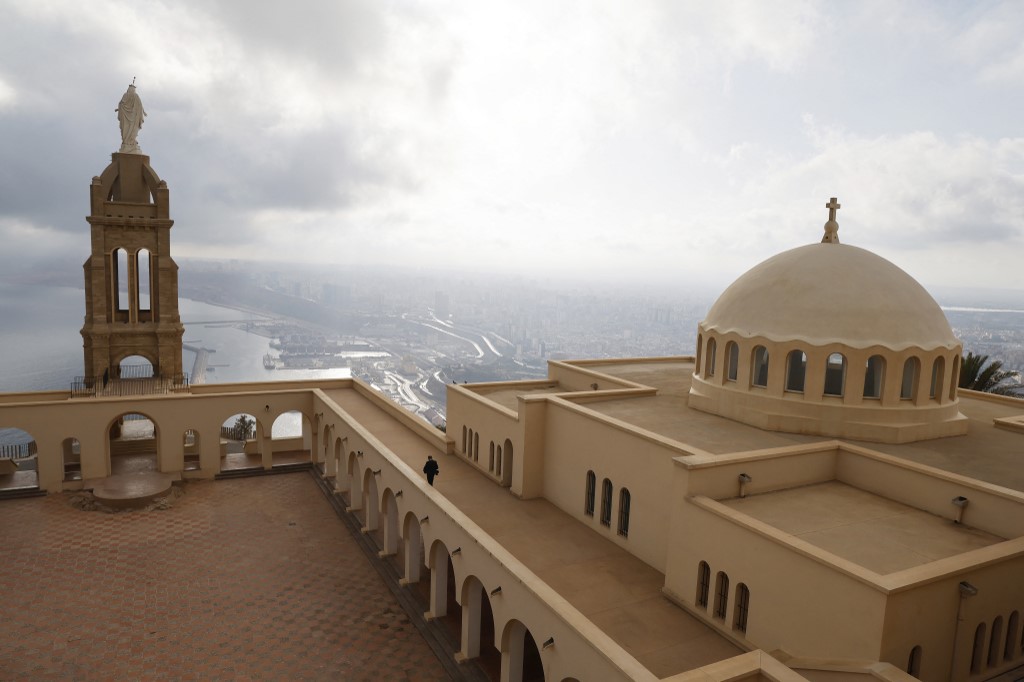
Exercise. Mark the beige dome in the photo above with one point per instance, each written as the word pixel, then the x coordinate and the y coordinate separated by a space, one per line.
pixel 831 293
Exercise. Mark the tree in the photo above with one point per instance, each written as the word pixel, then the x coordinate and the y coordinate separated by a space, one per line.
pixel 975 375
pixel 244 428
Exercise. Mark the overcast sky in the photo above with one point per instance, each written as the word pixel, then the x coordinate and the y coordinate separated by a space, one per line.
pixel 658 141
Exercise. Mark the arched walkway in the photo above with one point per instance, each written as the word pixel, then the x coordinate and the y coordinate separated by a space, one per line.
pixel 291 437
pixel 371 515
pixel 520 657
pixel 71 455
pixel 506 463
pixel 133 444
pixel 389 539
pixel 478 641
pixel 190 445
pixel 338 470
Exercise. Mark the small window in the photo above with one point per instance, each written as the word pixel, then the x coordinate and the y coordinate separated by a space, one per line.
pixel 914 662
pixel 721 595
pixel 994 641
pixel 938 370
pixel 796 371
pixel 588 495
pixel 606 503
pixel 709 365
pixel 954 377
pixel 978 650
pixel 759 367
pixel 874 376
pixel 463 438
pixel 835 374
pixel 700 344
pixel 732 360
pixel 490 462
pixel 742 608
pixel 476 447
pixel 911 369
pixel 624 499
pixel 1009 652
pixel 703 584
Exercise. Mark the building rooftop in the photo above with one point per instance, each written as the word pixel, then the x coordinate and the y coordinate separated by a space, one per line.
pixel 877 533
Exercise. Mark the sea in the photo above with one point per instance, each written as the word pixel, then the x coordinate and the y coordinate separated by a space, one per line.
pixel 41 347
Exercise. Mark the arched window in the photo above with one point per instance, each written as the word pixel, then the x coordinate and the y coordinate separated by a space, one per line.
pixel 497 461
pixel 721 595
pixel 121 279
pixel 469 449
pixel 835 374
pixel 938 370
pixel 703 583
pixel 709 361
pixel 995 641
pixel 914 662
pixel 796 371
pixel 463 438
pixel 624 499
pixel 978 651
pixel 700 344
pixel 1010 650
pixel 606 503
pixel 476 446
pixel 759 367
pixel 490 461
pixel 588 494
pixel 911 369
pixel 874 376
pixel 742 608
pixel 142 266
pixel 732 360
pixel 954 377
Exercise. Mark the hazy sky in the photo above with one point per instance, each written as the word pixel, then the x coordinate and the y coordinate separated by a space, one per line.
pixel 650 140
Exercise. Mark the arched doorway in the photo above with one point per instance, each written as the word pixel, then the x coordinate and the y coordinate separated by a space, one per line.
pixel 134 367
pixel 371 514
pixel 478 641
pixel 18 460
pixel 340 479
pixel 291 438
pixel 133 444
pixel 413 558
pixel 71 454
pixel 241 443
pixel 190 447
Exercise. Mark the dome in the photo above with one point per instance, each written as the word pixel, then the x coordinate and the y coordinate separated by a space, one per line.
pixel 831 293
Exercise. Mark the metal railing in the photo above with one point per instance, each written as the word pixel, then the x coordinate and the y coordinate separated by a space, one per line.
pixel 238 433
pixel 17 450
pixel 86 387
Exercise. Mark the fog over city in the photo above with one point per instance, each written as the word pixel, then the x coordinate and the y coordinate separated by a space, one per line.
pixel 658 142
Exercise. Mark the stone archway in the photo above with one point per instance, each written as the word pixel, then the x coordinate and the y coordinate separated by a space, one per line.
pixel 520 657
pixel 133 444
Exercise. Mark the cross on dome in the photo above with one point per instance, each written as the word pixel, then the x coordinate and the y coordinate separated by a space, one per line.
pixel 831 227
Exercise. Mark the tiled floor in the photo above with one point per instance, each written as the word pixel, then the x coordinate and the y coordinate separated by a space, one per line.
pixel 250 579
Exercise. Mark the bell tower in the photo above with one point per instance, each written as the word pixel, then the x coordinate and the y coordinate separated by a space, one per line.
pixel 131 282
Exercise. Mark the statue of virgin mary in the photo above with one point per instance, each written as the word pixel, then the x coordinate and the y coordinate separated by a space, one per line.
pixel 130 115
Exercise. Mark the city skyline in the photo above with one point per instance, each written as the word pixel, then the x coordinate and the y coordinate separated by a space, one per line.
pixel 650 142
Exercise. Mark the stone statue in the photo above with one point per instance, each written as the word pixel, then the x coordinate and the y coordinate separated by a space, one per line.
pixel 130 114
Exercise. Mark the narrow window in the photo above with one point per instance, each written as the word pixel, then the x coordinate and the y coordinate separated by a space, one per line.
pixel 469 449
pixel 606 503
pixel 1010 651
pixel 938 369
pixel 721 595
pixel 588 495
pixel 796 370
pixel 476 447
pixel 914 662
pixel 732 360
pixel 759 368
pixel 121 279
pixel 874 375
pixel 463 438
pixel 142 261
pixel 835 374
pixel 994 641
pixel 742 608
pixel 700 344
pixel 954 378
pixel 497 461
pixel 703 584
pixel 709 368
pixel 978 652
pixel 624 498
pixel 908 389
pixel 490 462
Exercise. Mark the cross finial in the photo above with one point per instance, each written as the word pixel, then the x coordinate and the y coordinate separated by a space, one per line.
pixel 832 206
pixel 831 227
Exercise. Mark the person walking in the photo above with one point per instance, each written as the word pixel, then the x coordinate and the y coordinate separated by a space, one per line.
pixel 431 469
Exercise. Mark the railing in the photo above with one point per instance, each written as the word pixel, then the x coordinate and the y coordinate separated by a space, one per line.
pixel 239 433
pixel 17 450
pixel 84 387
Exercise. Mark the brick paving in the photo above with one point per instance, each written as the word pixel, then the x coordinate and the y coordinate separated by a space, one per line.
pixel 250 579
